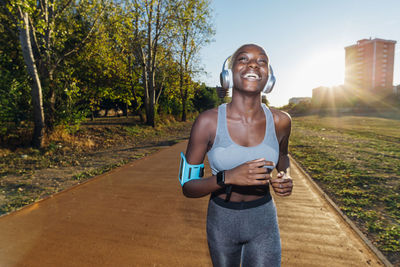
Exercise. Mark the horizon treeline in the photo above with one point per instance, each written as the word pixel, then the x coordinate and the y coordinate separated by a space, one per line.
pixel 61 61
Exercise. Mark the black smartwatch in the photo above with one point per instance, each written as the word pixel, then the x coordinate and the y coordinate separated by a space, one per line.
pixel 221 178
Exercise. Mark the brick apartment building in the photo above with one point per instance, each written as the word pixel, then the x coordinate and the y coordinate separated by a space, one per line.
pixel 369 64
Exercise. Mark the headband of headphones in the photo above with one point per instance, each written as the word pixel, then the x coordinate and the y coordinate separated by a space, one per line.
pixel 226 77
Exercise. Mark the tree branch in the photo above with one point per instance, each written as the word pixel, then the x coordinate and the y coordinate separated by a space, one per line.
pixel 80 45
pixel 61 10
pixel 161 87
pixel 35 44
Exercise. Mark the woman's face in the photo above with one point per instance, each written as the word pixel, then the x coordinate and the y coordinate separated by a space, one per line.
pixel 250 69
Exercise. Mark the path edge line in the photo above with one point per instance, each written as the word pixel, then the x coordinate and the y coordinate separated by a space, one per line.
pixel 346 219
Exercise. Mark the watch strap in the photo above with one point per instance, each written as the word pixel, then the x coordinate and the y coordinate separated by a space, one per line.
pixel 221 178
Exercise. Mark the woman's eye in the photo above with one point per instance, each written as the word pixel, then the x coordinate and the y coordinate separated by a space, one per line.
pixel 263 61
pixel 242 59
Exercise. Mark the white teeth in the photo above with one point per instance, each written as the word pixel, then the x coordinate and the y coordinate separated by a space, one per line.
pixel 251 75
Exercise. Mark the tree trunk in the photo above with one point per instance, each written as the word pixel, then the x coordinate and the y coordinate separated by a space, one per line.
pixel 146 90
pixel 50 113
pixel 37 98
pixel 183 94
pixel 140 116
pixel 147 99
pixel 183 109
pixel 152 100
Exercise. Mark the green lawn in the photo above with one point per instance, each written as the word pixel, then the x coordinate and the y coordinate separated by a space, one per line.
pixel 356 160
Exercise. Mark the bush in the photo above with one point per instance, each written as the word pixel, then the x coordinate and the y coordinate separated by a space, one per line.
pixel 205 98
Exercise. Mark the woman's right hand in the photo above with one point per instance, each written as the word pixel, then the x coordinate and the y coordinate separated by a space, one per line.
pixel 249 173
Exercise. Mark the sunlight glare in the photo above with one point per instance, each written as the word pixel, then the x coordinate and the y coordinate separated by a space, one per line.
pixel 324 67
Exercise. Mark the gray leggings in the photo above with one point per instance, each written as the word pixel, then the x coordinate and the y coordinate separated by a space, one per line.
pixel 241 234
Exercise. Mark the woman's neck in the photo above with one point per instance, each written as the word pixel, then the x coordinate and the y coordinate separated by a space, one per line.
pixel 245 107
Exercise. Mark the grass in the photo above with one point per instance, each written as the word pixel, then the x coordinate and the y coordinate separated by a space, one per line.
pixel 356 160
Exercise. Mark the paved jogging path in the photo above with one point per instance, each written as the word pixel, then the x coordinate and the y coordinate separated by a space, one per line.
pixel 136 215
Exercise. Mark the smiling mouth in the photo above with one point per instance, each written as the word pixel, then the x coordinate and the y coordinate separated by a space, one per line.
pixel 252 76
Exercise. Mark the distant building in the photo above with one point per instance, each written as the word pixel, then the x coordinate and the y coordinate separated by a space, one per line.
pixel 369 64
pixel 320 95
pixel 396 90
pixel 332 97
pixel 297 100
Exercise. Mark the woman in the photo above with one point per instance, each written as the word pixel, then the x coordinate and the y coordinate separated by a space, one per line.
pixel 244 140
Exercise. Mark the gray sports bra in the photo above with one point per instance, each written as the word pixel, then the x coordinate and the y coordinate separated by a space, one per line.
pixel 225 154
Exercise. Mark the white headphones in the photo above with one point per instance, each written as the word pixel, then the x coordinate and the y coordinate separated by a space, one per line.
pixel 226 78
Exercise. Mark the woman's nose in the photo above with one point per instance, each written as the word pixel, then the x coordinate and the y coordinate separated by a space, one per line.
pixel 253 63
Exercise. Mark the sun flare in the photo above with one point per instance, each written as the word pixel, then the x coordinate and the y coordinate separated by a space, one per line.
pixel 324 67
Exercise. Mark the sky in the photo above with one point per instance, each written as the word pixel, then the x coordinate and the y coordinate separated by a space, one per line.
pixel 304 39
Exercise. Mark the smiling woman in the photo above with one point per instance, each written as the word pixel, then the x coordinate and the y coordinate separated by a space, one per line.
pixel 244 141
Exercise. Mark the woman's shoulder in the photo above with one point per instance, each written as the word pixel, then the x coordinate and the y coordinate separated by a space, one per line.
pixel 207 118
pixel 281 118
pixel 204 127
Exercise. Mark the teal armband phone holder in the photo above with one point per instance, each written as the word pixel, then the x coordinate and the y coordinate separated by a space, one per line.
pixel 188 171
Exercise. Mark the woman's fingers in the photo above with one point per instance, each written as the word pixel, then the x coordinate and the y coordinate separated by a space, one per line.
pixel 259 163
pixel 250 173
pixel 282 186
pixel 261 176
pixel 282 183
pixel 258 174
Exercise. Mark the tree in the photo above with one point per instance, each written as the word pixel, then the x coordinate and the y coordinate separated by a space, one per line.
pixel 194 31
pixel 48 34
pixel 153 37
pixel 19 12
pixel 126 38
pixel 14 86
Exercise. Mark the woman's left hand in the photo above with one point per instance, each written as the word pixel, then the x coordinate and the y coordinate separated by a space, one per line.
pixel 282 185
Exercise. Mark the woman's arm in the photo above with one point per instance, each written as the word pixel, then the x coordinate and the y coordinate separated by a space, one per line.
pixel 283 184
pixel 199 141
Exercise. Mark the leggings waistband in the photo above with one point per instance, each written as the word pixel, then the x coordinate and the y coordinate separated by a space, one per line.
pixel 241 205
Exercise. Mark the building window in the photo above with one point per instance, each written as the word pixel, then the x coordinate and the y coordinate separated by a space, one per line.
pixel 384 55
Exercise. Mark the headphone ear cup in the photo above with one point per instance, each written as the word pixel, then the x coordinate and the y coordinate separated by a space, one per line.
pixel 226 79
pixel 271 81
pixel 230 79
